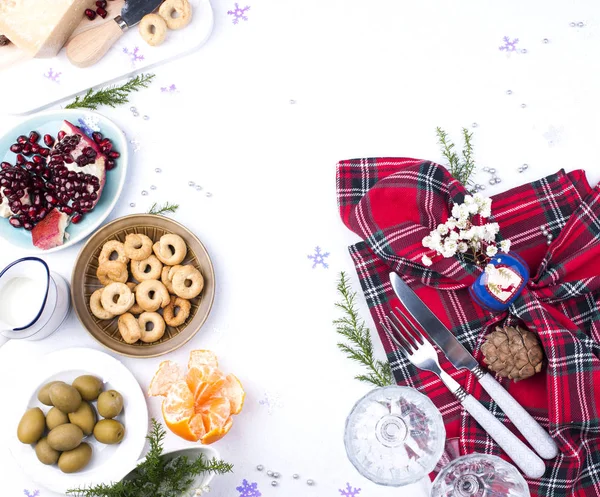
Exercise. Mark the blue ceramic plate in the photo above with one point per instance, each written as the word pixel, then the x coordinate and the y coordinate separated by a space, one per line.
pixel 50 122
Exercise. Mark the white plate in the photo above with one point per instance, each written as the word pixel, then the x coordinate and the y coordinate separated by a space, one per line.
pixel 50 122
pixel 109 463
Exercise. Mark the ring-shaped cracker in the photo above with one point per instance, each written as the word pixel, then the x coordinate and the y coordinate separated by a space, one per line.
pixel 138 269
pixel 181 7
pixel 123 295
pixel 177 319
pixel 170 249
pixel 109 248
pixel 158 329
pixel 111 272
pixel 167 275
pixel 151 295
pixel 96 306
pixel 129 328
pixel 182 276
pixel 137 246
pixel 153 29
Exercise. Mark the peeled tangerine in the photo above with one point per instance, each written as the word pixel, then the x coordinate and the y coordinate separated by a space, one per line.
pixel 198 405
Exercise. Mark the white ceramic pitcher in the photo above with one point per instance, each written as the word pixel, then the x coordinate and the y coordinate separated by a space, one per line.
pixel 33 300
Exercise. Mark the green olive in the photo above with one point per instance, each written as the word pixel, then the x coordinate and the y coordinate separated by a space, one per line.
pixel 110 404
pixel 32 425
pixel 55 417
pixel 65 397
pixel 73 460
pixel 84 417
pixel 65 437
pixel 44 393
pixel 45 453
pixel 109 431
pixel 88 386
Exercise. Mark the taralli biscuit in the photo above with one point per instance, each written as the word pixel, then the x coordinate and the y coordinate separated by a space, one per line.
pixel 177 312
pixel 129 328
pixel 135 308
pixel 110 248
pixel 137 246
pixel 96 306
pixel 148 269
pixel 117 298
pixel 111 272
pixel 157 328
pixel 166 279
pixel 151 295
pixel 170 249
pixel 187 282
pixel 181 8
pixel 153 29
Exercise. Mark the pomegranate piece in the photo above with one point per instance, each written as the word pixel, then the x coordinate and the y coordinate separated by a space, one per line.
pixel 17 148
pixel 49 140
pixel 90 14
pixel 27 149
pixel 15 222
pixel 97 136
pixel 44 152
pixel 101 4
pixel 61 134
pixel 20 159
pixel 110 164
pixel 78 216
pixel 113 154
pixel 5 165
pixel 101 12
pixel 50 231
pixel 34 136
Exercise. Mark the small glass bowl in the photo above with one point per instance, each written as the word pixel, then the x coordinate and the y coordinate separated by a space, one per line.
pixel 479 475
pixel 394 436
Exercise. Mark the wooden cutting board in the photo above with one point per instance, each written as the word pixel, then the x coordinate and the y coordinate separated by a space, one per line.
pixel 49 81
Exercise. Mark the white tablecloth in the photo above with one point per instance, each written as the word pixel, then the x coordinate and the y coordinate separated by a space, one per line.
pixel 258 117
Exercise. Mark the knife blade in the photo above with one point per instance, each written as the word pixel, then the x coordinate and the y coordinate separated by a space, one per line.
pixel 437 331
pixel 460 357
pixel 89 47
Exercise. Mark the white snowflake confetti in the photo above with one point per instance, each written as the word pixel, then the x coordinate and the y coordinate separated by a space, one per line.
pixel 136 144
pixel 554 135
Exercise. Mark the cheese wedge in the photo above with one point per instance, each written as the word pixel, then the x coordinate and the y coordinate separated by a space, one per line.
pixel 41 27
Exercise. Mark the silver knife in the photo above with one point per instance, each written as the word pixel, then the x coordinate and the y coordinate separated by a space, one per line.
pixel 89 47
pixel 460 357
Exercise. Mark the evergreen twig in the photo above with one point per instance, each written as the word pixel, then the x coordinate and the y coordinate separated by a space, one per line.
pixel 461 168
pixel 153 477
pixel 111 95
pixel 359 346
pixel 158 209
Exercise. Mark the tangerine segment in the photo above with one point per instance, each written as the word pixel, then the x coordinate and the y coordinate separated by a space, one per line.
pixel 217 434
pixel 196 425
pixel 215 413
pixel 166 375
pixel 198 377
pixel 183 429
pixel 234 391
pixel 202 357
pixel 179 403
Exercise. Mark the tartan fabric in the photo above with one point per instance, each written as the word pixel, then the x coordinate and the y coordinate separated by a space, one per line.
pixel 392 203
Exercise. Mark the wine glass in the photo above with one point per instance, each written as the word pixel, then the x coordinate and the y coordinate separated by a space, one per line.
pixel 394 436
pixel 479 475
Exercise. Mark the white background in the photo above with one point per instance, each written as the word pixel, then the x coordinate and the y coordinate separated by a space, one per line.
pixel 369 78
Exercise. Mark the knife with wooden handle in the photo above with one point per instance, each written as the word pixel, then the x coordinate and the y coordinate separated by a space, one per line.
pixel 460 357
pixel 89 47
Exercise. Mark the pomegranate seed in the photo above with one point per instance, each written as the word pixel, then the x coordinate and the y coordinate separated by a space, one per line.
pixel 17 148
pixel 101 3
pixel 38 159
pixel 35 148
pixel 113 154
pixel 8 192
pixel 27 225
pixel 44 152
pixel 29 165
pixel 77 217
pixel 27 149
pixel 5 165
pixel 32 212
pixel 61 135
pixel 49 140
pixel 106 143
pixel 22 139
pixel 34 136
pixel 42 214
pixel 90 14
pixel 67 210
pixel 101 12
pixel 20 160
pixel 51 199
pixel 110 164
pixel 97 136
pixel 90 152
pixel 15 222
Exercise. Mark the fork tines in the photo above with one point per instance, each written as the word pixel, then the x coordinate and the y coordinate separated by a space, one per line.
pixel 410 339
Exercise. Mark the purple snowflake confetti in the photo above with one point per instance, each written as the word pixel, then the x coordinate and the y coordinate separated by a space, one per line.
pixel 52 76
pixel 35 493
pixel 509 46
pixel 349 491
pixel 239 13
pixel 168 89
pixel 271 401
pixel 88 126
pixel 319 258
pixel 248 489
pixel 134 54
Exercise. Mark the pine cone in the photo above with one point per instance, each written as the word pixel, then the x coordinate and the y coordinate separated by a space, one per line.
pixel 513 353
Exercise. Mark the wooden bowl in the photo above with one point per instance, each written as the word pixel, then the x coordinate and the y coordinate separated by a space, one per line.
pixel 84 282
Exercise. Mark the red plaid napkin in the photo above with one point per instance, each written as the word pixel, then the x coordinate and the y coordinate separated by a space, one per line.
pixel 393 203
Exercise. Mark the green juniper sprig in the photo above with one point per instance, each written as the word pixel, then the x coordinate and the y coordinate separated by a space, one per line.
pixel 461 168
pixel 359 346
pixel 153 477
pixel 158 209
pixel 111 95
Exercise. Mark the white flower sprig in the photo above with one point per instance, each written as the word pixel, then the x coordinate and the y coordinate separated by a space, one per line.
pixel 459 236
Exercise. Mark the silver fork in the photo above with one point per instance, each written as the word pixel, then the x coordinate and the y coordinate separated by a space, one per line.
pixel 418 350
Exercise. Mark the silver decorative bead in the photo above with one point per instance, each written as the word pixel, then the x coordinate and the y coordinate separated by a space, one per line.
pixel 198 187
pixel 273 483
pixel 146 118
pixel 548 242
pixel 498 180
pixel 152 187
pixel 295 476
pixel 481 187
pixel 132 204
pixel 276 474
pixel 509 92
pixel 260 467
pixel 292 102
pixel 310 482
pixel 545 41
pixel 572 24
pixel 523 106
pixel 486 169
pixel 135 114
pixel 144 193
pixel 269 473
pixel 525 166
pixel 191 183
pixel 545 232
pixel 492 181
pixel 474 125
pixel 549 237
pixel 208 194
pixel 580 25
pixel 492 170
pixel 523 50
pixel 158 170
pixel 132 109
